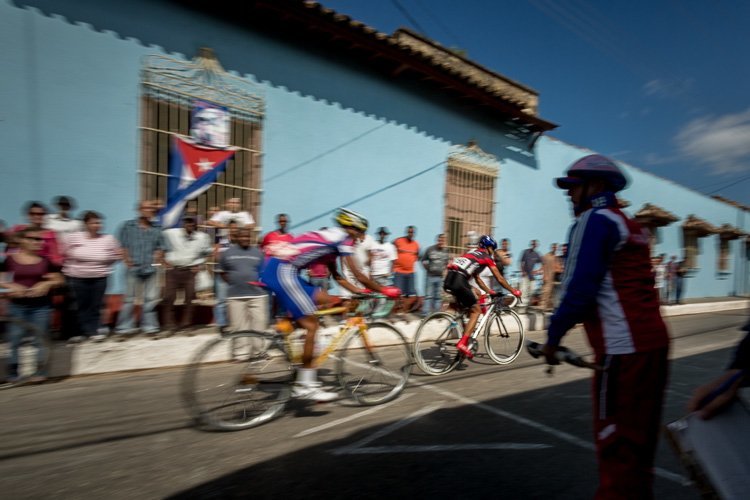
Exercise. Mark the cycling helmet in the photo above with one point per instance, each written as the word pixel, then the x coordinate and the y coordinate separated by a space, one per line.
pixel 592 167
pixel 348 218
pixel 487 242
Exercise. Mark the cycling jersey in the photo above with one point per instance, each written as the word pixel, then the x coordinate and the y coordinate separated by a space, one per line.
pixel 286 259
pixel 608 284
pixel 472 263
pixel 313 247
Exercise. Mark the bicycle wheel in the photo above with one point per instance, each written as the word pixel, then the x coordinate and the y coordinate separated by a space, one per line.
pixel 435 343
pixel 503 336
pixel 373 366
pixel 237 381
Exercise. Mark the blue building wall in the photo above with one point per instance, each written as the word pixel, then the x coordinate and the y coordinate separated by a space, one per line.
pixel 333 134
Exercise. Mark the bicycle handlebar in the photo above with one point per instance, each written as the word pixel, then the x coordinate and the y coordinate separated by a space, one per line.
pixel 563 354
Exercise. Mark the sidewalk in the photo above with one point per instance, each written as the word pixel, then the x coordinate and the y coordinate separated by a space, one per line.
pixel 142 353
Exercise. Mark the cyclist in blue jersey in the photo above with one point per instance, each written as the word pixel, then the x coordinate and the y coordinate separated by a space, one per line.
pixel 281 274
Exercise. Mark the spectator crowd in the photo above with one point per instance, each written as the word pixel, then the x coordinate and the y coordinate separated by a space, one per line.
pixel 56 269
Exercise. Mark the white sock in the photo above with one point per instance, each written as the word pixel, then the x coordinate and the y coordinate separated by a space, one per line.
pixel 307 376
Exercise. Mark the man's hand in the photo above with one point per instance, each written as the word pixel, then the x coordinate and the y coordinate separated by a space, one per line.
pixel 516 293
pixel 549 354
pixel 706 407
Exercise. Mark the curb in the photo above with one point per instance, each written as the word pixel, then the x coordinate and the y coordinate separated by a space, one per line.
pixel 143 353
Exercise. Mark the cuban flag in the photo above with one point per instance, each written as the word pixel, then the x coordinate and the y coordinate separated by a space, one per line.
pixel 196 162
pixel 193 167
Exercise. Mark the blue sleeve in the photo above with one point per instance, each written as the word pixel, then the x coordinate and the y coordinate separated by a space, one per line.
pixel 592 243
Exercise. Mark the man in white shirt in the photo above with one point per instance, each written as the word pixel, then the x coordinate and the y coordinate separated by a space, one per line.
pixel 232 213
pixel 362 258
pixel 61 222
pixel 186 251
pixel 382 255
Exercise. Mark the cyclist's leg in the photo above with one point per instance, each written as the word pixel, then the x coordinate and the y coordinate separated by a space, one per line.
pixel 457 284
pixel 298 297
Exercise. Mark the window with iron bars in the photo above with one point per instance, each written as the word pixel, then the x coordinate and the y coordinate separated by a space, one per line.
pixel 469 203
pixel 161 119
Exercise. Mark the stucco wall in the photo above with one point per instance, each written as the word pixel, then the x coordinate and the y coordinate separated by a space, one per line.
pixel 333 134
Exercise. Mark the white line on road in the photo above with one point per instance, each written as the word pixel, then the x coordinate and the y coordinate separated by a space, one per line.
pixel 671 476
pixel 340 421
pixel 387 430
pixel 430 448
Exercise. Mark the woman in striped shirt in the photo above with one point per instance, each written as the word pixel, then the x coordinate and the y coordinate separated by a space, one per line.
pixel 89 257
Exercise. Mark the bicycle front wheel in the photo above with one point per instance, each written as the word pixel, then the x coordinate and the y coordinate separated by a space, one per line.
pixel 374 366
pixel 435 343
pixel 503 336
pixel 237 381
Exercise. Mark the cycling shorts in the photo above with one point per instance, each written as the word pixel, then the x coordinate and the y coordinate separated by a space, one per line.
pixel 457 284
pixel 294 293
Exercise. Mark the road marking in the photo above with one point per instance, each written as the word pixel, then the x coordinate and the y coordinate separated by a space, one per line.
pixel 340 421
pixel 431 448
pixel 671 476
pixel 389 429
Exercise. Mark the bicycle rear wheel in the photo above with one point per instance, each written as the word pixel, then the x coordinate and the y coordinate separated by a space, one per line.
pixel 373 367
pixel 503 336
pixel 237 381
pixel 435 343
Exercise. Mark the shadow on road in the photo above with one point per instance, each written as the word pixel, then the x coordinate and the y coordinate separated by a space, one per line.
pixel 535 444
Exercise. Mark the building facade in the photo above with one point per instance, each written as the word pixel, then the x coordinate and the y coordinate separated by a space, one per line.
pixel 325 111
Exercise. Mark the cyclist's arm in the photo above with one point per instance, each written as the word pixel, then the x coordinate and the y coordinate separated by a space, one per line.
pixel 339 278
pixel 500 279
pixel 482 284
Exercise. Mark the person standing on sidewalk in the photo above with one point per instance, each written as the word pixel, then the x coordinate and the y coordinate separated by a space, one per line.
pixel 28 278
pixel 407 253
pixel 220 286
pixel 609 286
pixel 61 222
pixel 530 259
pixel 503 261
pixel 89 257
pixel 434 260
pixel 247 304
pixel 142 248
pixel 279 234
pixel 383 253
pixel 186 252
pixel 550 268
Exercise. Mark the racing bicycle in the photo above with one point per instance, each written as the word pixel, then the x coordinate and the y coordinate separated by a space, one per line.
pixel 435 342
pixel 242 380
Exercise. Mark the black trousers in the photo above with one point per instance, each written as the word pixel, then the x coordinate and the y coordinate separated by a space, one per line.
pixel 89 295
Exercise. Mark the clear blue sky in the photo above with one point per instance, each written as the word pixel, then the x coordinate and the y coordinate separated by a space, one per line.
pixel 663 85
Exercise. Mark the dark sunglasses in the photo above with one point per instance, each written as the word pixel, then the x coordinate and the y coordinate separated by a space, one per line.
pixel 38 213
pixel 34 238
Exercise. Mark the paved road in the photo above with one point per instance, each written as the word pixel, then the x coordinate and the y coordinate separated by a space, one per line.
pixel 487 431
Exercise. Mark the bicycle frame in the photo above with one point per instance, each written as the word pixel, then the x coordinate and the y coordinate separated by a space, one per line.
pixel 347 327
pixel 482 322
